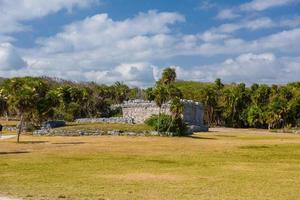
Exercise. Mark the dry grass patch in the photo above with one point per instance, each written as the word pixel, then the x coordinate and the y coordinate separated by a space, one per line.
pixel 238 164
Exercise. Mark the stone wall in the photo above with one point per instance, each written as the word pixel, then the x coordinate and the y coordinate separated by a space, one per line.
pixel 140 110
pixel 118 120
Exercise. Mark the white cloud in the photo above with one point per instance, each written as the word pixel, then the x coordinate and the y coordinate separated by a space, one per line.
pixel 259 5
pixel 292 22
pixel 14 12
pixel 254 24
pixel 227 14
pixel 206 5
pixel 134 74
pixel 101 49
pixel 252 6
pixel 99 30
pixel 9 58
pixel 249 68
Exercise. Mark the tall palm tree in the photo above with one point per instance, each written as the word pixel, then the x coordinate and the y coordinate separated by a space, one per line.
pixel 168 76
pixel 176 109
pixel 161 97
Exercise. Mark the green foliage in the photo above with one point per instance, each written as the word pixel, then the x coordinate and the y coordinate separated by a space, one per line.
pixel 168 76
pixel 166 124
pixel 255 116
pixel 235 105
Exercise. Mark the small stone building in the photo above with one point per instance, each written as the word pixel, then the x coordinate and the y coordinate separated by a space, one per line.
pixel 140 110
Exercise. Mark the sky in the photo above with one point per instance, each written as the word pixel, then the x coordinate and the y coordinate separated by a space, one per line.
pixel 250 41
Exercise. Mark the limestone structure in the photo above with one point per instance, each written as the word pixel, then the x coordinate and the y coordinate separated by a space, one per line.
pixel 140 110
pixel 137 111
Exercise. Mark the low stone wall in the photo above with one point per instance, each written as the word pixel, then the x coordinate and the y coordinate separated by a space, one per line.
pixel 9 128
pixel 53 124
pixel 194 129
pixel 288 131
pixel 116 120
pixel 90 132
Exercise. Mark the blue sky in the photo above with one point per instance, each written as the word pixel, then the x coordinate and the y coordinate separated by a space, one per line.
pixel 133 40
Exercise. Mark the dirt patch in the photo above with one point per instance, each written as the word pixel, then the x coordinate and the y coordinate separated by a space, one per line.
pixel 7 198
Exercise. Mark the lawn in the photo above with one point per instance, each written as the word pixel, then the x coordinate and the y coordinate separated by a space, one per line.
pixel 107 127
pixel 225 164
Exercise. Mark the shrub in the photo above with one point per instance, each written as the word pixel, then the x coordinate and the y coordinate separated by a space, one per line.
pixel 165 124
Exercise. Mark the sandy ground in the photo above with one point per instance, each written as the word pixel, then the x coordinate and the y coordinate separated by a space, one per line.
pixel 3 137
pixel 7 198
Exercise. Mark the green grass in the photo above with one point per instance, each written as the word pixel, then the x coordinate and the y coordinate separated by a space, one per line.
pixel 108 127
pixel 219 165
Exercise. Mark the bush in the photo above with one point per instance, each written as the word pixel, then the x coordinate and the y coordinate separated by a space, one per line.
pixel 164 124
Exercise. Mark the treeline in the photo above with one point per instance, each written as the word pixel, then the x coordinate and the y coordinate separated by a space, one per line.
pixel 40 99
pixel 231 105
pixel 235 105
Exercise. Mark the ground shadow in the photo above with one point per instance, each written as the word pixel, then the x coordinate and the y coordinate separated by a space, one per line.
pixel 162 161
pixel 226 136
pixel 13 152
pixel 254 147
pixel 69 143
pixel 33 142
pixel 200 137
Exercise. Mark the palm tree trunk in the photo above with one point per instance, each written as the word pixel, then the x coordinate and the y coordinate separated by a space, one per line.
pixel 159 112
pixel 20 128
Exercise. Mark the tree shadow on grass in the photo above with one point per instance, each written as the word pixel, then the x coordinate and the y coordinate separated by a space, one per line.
pixel 231 136
pixel 200 137
pixel 33 142
pixel 13 152
pixel 162 161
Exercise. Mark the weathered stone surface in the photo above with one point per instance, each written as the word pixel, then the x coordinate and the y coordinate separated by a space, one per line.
pixel 140 110
pixel 9 128
pixel 194 129
pixel 89 132
pixel 53 124
pixel 118 120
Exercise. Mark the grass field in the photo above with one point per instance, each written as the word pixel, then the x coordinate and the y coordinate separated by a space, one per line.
pixel 226 164
pixel 108 127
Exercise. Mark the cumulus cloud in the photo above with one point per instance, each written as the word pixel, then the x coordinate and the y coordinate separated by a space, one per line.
pixel 9 58
pixel 252 6
pixel 14 12
pixel 253 24
pixel 259 5
pixel 100 30
pixel 133 50
pixel 134 74
pixel 227 14
pixel 249 68
pixel 101 49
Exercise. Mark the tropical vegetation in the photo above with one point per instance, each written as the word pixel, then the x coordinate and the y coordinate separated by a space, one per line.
pixel 37 99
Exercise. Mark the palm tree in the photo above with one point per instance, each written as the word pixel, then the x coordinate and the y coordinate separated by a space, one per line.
pixel 24 95
pixel 176 109
pixel 161 97
pixel 3 104
pixel 121 92
pixel 168 76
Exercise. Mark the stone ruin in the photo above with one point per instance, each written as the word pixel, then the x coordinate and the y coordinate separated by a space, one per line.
pixel 137 111
pixel 140 110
